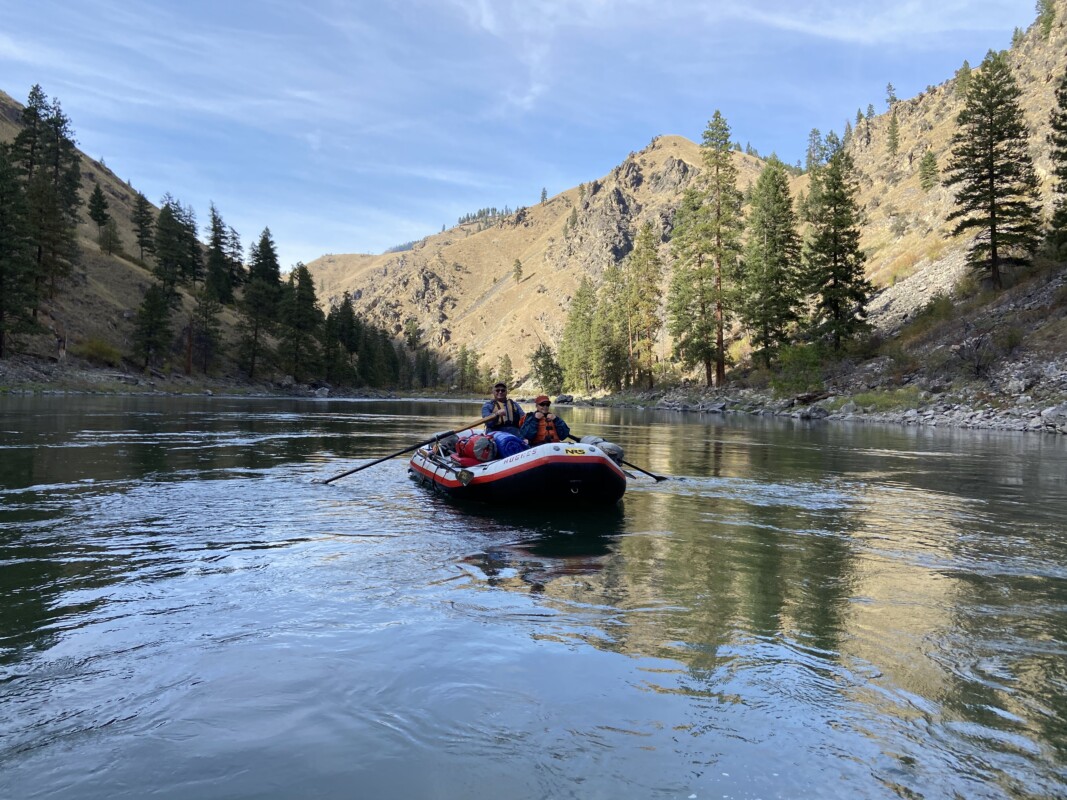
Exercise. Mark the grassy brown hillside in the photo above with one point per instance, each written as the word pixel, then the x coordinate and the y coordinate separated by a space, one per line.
pixel 93 310
pixel 458 285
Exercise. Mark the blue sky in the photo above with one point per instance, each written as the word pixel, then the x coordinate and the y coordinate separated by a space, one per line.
pixel 356 126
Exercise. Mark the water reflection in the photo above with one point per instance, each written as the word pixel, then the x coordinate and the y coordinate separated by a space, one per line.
pixel 874 612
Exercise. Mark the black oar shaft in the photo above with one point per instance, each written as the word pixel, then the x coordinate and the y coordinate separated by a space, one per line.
pixel 431 440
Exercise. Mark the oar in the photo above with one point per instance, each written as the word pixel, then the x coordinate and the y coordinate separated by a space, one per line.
pixel 431 440
pixel 631 466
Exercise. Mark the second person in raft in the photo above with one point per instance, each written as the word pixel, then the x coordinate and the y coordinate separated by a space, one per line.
pixel 542 425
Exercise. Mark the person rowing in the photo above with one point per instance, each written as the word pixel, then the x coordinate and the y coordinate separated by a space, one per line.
pixel 508 414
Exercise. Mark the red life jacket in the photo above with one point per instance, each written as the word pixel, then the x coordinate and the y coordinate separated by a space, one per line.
pixel 546 432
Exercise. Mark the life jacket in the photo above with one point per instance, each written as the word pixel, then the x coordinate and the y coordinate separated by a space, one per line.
pixel 478 447
pixel 546 432
pixel 513 414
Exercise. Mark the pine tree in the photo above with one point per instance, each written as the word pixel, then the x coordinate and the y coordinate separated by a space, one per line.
pixel 611 365
pixel 1046 16
pixel 516 270
pixel 890 96
pixel 110 240
pixel 575 347
pixel 963 79
pixel 770 287
pixel 412 334
pixel 17 297
pixel 893 135
pixel 833 261
pixel 45 152
pixel 98 210
pixel 169 246
pixel 991 167
pixel 1057 139
pixel 151 325
pixel 217 270
pixel 144 226
pixel 706 248
pixel 235 257
pixel 544 195
pixel 815 154
pixel 206 329
pixel 546 369
pixel 928 171
pixel 644 275
pixel 301 325
pixel 259 303
pixel 505 372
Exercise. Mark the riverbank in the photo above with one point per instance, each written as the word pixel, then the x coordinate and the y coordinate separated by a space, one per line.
pixel 967 407
pixel 1021 397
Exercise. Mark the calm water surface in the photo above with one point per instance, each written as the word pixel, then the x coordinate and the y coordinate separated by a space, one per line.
pixel 803 610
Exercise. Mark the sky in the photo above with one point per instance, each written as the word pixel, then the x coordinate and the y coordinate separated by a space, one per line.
pixel 353 126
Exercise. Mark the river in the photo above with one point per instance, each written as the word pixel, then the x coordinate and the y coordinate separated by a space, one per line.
pixel 801 609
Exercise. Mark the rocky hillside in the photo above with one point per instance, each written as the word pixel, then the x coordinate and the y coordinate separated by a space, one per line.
pixel 459 287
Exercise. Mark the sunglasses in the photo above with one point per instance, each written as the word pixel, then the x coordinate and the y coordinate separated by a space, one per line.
pixel 498 391
pixel 543 405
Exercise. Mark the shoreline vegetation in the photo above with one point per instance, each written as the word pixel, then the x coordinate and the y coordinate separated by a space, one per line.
pixel 1019 409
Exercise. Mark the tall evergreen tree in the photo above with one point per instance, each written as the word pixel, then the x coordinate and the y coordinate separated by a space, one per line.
pixel 816 150
pixel 259 303
pixel 707 248
pixel 576 354
pixel 151 326
pixel 644 275
pixel 144 226
pixel 217 275
pixel 832 255
pixel 98 210
pixel 206 329
pixel 170 247
pixel 1057 139
pixel 991 167
pixel 610 345
pixel 928 171
pixel 963 79
pixel 771 290
pixel 893 135
pixel 1046 16
pixel 45 152
pixel 17 298
pixel 546 369
pixel 301 325
pixel 505 372
pixel 235 256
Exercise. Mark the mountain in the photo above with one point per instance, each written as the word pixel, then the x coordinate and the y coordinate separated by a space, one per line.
pixel 459 287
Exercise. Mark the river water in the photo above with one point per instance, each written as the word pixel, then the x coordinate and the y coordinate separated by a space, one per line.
pixel 800 610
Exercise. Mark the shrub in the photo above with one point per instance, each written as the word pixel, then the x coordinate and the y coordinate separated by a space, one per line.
pixel 1008 339
pixel 799 369
pixel 97 351
pixel 892 400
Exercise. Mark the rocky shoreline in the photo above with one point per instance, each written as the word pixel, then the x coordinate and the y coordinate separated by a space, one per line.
pixel 943 410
